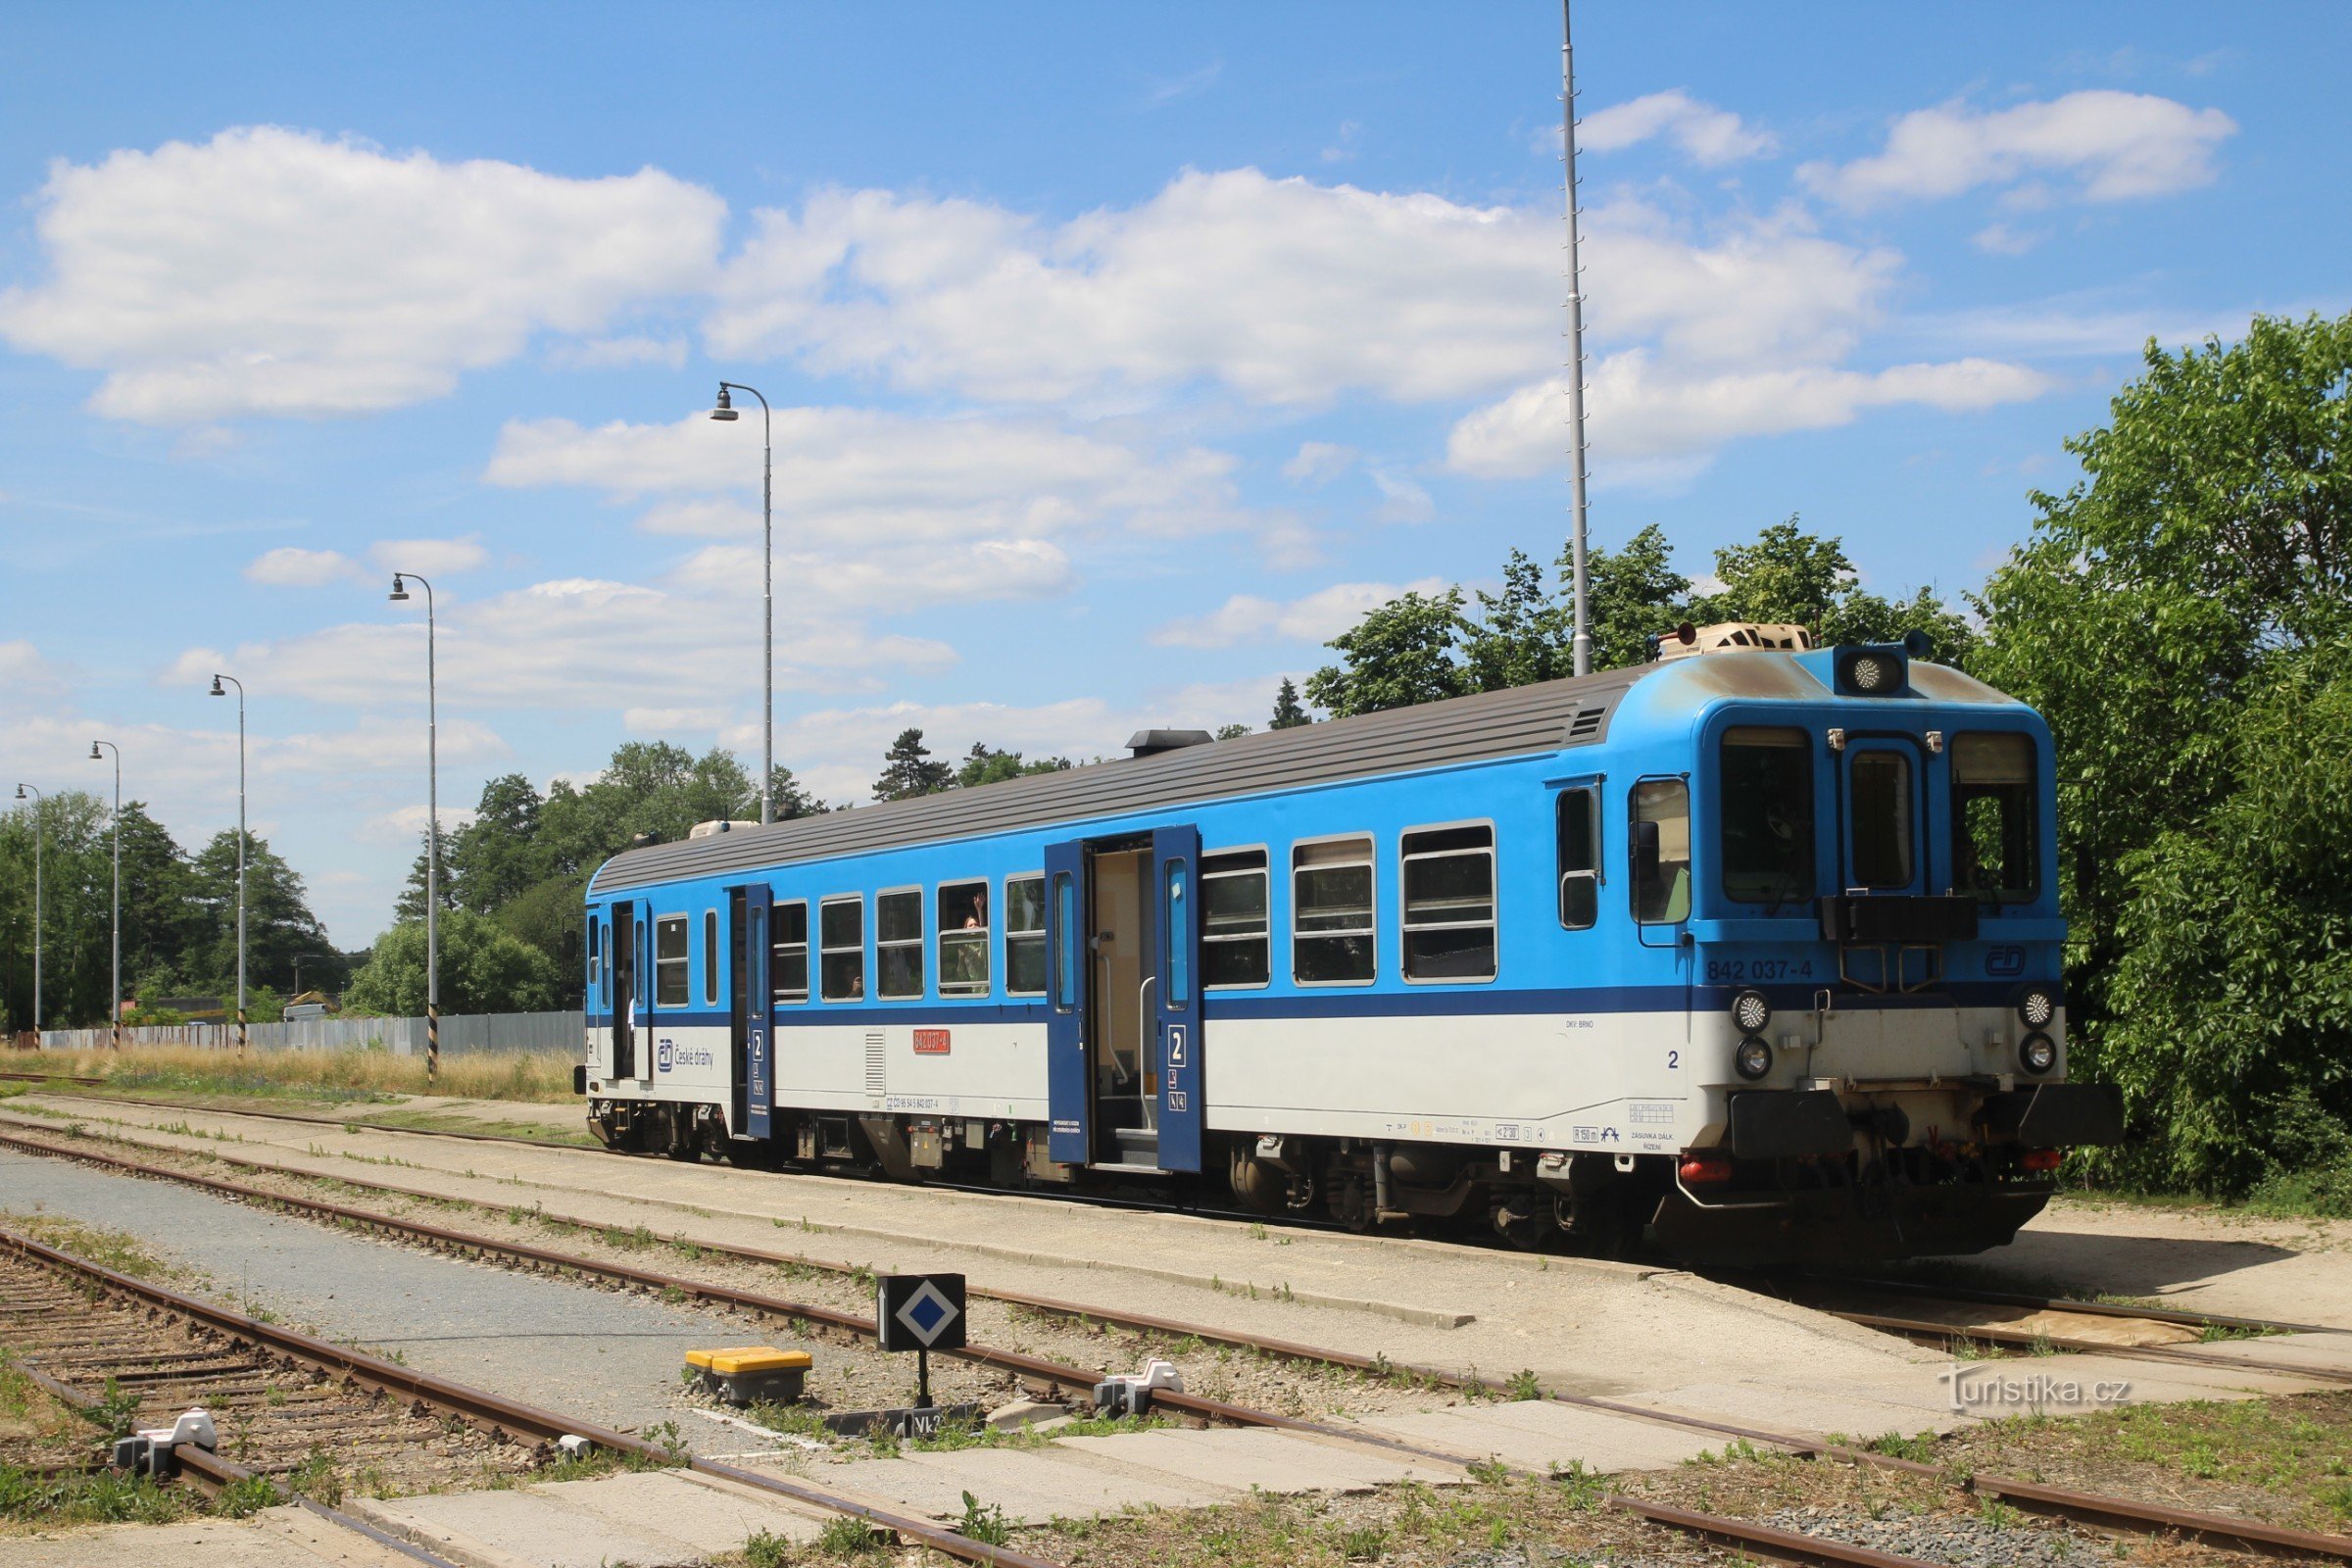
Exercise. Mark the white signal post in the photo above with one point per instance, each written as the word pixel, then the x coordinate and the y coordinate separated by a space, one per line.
pixel 39 802
pixel 244 1031
pixel 116 1021
pixel 1580 641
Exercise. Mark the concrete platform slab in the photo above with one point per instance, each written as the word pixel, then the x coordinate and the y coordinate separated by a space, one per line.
pixel 504 1529
pixel 1268 1455
pixel 1543 1434
pixel 2288 1352
pixel 1808 1412
pixel 1051 1486
pixel 679 1505
pixel 248 1544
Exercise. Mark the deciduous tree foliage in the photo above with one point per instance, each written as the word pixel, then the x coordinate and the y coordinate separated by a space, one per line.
pixel 484 968
pixel 2171 615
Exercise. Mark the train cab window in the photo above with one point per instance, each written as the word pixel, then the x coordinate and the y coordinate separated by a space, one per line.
pixel 1332 939
pixel 671 980
pixel 1233 936
pixel 1449 903
pixel 1881 807
pixel 1660 813
pixel 1025 936
pixel 841 948
pixel 1580 858
pixel 964 939
pixel 710 957
pixel 788 952
pixel 1765 784
pixel 899 944
pixel 1994 837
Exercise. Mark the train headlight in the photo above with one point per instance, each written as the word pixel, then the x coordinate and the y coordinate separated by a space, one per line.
pixel 1753 1058
pixel 1750 1012
pixel 2038 1054
pixel 2036 1006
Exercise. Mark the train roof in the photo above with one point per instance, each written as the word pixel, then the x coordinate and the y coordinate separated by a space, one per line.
pixel 1488 726
pixel 1524 720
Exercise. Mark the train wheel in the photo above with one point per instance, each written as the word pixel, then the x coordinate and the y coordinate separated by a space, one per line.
pixel 1524 1219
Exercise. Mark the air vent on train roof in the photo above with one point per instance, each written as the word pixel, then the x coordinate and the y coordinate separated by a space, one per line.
pixel 1153 742
pixel 1585 725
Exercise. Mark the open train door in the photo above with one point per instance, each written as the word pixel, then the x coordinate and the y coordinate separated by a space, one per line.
pixel 1069 1077
pixel 753 1005
pixel 1176 1005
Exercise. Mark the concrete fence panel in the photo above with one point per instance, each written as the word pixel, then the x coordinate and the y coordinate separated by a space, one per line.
pixel 462 1034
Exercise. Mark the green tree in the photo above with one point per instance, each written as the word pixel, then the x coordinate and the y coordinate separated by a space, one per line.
pixel 1634 594
pixel 279 926
pixel 1232 732
pixel 1522 635
pixel 410 903
pixel 983 765
pixel 494 858
pixel 2197 570
pixel 1407 650
pixel 1791 575
pixel 1288 711
pixel 908 770
pixel 484 968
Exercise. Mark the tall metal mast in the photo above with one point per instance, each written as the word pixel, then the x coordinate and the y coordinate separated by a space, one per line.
pixel 1581 642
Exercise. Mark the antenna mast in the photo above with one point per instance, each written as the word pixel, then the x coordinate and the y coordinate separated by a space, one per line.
pixel 1580 641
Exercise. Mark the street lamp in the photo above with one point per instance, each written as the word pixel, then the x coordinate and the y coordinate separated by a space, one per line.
pixel 243 1032
pixel 726 411
pixel 41 800
pixel 116 1021
pixel 432 834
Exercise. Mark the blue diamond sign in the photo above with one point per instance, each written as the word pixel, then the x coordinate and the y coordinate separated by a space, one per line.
pixel 919 1312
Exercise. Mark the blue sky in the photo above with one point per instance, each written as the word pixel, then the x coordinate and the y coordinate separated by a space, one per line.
pixel 1120 354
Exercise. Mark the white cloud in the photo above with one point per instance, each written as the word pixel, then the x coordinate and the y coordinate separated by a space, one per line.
pixel 1700 131
pixel 863 477
pixel 1318 463
pixel 431 559
pixel 406 825
pixel 1641 412
pixel 2001 239
pixel 1401 499
pixel 272 271
pixel 674 721
pixel 578 643
pixel 1282 290
pixel 618 352
pixel 2116 145
pixel 894 579
pixel 1315 618
pixel 1270 286
pixel 290 566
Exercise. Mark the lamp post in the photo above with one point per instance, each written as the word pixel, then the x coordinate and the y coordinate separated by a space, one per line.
pixel 39 802
pixel 432 834
pixel 116 1021
pixel 768 589
pixel 243 1032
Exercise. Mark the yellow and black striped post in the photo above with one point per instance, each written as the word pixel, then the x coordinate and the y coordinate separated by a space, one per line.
pixel 432 1045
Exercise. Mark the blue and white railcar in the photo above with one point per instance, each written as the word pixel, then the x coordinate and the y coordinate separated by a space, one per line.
pixel 1759 947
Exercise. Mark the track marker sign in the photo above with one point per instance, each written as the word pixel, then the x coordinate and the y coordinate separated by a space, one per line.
pixel 922 1313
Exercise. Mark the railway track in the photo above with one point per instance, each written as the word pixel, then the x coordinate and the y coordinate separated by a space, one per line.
pixel 2100 1510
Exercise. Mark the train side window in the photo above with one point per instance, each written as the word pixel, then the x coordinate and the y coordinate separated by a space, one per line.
pixel 1234 935
pixel 710 957
pixel 899 944
pixel 1448 903
pixel 1065 947
pixel 788 952
pixel 1332 936
pixel 1765 782
pixel 841 948
pixel 671 983
pixel 1660 815
pixel 964 939
pixel 1994 842
pixel 1025 936
pixel 1580 858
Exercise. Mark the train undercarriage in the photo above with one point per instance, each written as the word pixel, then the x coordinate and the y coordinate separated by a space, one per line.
pixel 1870 1201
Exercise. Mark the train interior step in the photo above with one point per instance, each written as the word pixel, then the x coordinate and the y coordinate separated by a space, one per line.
pixel 1139 1148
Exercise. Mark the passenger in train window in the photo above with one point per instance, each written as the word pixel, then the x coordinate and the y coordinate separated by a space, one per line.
pixel 964 939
